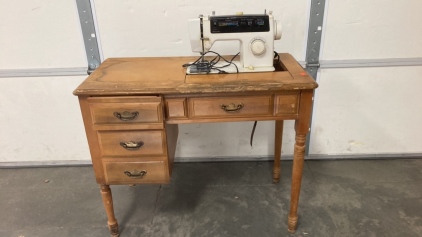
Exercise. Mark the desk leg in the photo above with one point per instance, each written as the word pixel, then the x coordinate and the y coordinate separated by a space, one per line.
pixel 108 204
pixel 277 150
pixel 302 128
pixel 298 160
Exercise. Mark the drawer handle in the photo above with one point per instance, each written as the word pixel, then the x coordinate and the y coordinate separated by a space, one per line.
pixel 135 174
pixel 231 107
pixel 131 145
pixel 126 116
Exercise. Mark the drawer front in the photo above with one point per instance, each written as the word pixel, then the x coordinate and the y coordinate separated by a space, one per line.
pixel 176 108
pixel 125 110
pixel 287 104
pixel 132 143
pixel 231 106
pixel 136 172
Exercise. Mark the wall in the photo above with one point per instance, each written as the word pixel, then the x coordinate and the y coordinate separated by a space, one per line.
pixel 357 111
pixel 372 29
pixel 39 117
pixel 361 111
pixel 374 110
pixel 148 28
pixel 40 34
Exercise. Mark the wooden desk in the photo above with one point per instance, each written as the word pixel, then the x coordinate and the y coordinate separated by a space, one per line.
pixel 131 109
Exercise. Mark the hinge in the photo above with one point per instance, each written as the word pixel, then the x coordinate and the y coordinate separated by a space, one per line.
pixel 89 34
pixel 312 65
pixel 316 19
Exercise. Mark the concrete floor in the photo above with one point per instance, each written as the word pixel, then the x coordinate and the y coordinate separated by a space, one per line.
pixel 338 198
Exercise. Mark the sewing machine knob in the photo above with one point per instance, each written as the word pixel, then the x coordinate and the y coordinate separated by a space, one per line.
pixel 258 46
pixel 207 45
pixel 277 33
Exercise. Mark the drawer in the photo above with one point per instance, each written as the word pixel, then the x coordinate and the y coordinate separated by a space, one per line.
pixel 286 104
pixel 213 107
pixel 176 108
pixel 125 110
pixel 132 143
pixel 136 172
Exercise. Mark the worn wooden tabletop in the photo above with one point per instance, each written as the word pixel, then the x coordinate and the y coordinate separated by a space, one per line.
pixel 165 75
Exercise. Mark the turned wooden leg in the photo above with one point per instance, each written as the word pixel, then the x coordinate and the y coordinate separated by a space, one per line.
pixel 298 160
pixel 277 149
pixel 108 204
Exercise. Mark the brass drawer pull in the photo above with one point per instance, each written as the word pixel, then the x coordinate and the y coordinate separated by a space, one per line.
pixel 135 174
pixel 132 145
pixel 231 107
pixel 126 115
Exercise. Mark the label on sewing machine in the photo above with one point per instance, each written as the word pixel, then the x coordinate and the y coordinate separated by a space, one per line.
pixel 239 24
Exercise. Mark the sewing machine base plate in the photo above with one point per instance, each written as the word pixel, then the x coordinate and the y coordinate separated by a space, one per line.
pixel 223 68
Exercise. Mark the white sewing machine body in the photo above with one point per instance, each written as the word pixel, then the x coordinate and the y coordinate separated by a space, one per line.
pixel 256 34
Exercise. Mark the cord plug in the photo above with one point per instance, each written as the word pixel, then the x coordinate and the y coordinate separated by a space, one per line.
pixel 200 67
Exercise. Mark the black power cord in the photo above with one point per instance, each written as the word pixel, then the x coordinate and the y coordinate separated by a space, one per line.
pixel 205 67
pixel 277 57
pixel 202 66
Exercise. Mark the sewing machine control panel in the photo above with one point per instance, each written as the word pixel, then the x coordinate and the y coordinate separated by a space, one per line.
pixel 239 24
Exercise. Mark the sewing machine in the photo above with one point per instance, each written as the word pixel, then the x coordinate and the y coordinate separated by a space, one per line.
pixel 256 34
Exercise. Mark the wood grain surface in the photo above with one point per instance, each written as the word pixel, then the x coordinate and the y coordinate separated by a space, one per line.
pixel 159 75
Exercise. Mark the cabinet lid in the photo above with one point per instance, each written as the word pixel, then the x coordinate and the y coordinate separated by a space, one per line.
pixel 165 75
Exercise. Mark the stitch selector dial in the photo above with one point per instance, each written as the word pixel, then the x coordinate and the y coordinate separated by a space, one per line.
pixel 258 46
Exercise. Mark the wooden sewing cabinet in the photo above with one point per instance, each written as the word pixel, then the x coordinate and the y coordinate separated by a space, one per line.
pixel 131 109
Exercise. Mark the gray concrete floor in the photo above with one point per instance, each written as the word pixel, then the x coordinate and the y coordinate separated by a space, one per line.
pixel 338 198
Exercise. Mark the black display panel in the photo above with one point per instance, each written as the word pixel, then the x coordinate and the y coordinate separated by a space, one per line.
pixel 240 24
